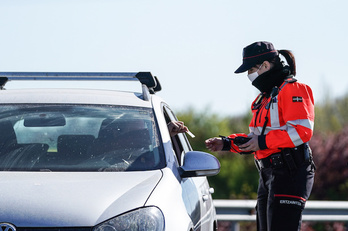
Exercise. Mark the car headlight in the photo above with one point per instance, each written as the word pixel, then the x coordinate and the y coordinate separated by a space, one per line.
pixel 148 218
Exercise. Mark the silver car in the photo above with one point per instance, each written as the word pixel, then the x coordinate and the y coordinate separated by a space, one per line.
pixel 90 159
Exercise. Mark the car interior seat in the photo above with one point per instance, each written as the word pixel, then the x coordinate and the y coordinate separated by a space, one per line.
pixel 72 149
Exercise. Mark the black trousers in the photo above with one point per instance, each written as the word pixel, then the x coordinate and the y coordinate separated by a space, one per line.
pixel 282 196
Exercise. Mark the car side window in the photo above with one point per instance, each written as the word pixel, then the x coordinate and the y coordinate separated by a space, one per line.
pixel 179 141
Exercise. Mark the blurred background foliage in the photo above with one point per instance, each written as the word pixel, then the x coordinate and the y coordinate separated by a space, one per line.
pixel 238 178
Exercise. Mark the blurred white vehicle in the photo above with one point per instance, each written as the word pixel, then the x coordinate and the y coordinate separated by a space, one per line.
pixel 88 159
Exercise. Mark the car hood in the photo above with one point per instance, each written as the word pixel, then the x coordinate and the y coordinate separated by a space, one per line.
pixel 51 199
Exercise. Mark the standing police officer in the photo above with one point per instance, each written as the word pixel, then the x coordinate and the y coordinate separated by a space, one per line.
pixel 281 126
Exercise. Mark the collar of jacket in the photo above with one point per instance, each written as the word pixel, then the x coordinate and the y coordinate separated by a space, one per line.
pixel 274 77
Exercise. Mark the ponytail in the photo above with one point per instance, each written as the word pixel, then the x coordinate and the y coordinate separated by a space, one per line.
pixel 290 59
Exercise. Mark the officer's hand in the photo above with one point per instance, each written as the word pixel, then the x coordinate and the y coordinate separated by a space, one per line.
pixel 214 144
pixel 251 145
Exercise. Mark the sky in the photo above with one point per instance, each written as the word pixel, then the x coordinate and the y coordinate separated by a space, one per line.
pixel 192 46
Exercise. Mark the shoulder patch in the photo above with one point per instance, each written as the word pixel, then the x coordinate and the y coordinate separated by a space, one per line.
pixel 297 99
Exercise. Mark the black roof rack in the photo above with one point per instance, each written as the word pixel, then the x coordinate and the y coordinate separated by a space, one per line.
pixel 151 82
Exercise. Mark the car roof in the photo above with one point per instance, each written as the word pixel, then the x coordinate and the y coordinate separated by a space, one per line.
pixel 51 94
pixel 73 96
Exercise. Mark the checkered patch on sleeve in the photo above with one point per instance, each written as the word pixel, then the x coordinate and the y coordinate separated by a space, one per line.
pixel 297 99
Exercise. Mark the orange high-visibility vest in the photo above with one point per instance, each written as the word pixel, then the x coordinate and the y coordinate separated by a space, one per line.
pixel 288 119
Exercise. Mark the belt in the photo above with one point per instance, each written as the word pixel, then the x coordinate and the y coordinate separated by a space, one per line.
pixel 290 157
pixel 274 160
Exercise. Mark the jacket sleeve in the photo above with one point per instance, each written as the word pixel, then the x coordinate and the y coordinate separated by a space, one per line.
pixel 296 117
pixel 233 147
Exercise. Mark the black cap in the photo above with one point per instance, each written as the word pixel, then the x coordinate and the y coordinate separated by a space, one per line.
pixel 256 53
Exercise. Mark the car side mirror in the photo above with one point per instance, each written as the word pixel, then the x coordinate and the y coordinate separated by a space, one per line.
pixel 199 164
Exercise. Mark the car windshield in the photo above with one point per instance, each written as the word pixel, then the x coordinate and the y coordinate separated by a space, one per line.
pixel 78 138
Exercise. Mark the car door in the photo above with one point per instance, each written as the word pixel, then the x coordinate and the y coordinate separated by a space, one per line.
pixel 196 192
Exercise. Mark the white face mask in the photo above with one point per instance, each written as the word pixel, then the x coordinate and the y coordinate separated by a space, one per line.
pixel 254 75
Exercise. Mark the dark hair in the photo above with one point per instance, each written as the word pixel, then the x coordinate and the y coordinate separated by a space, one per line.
pixel 290 59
